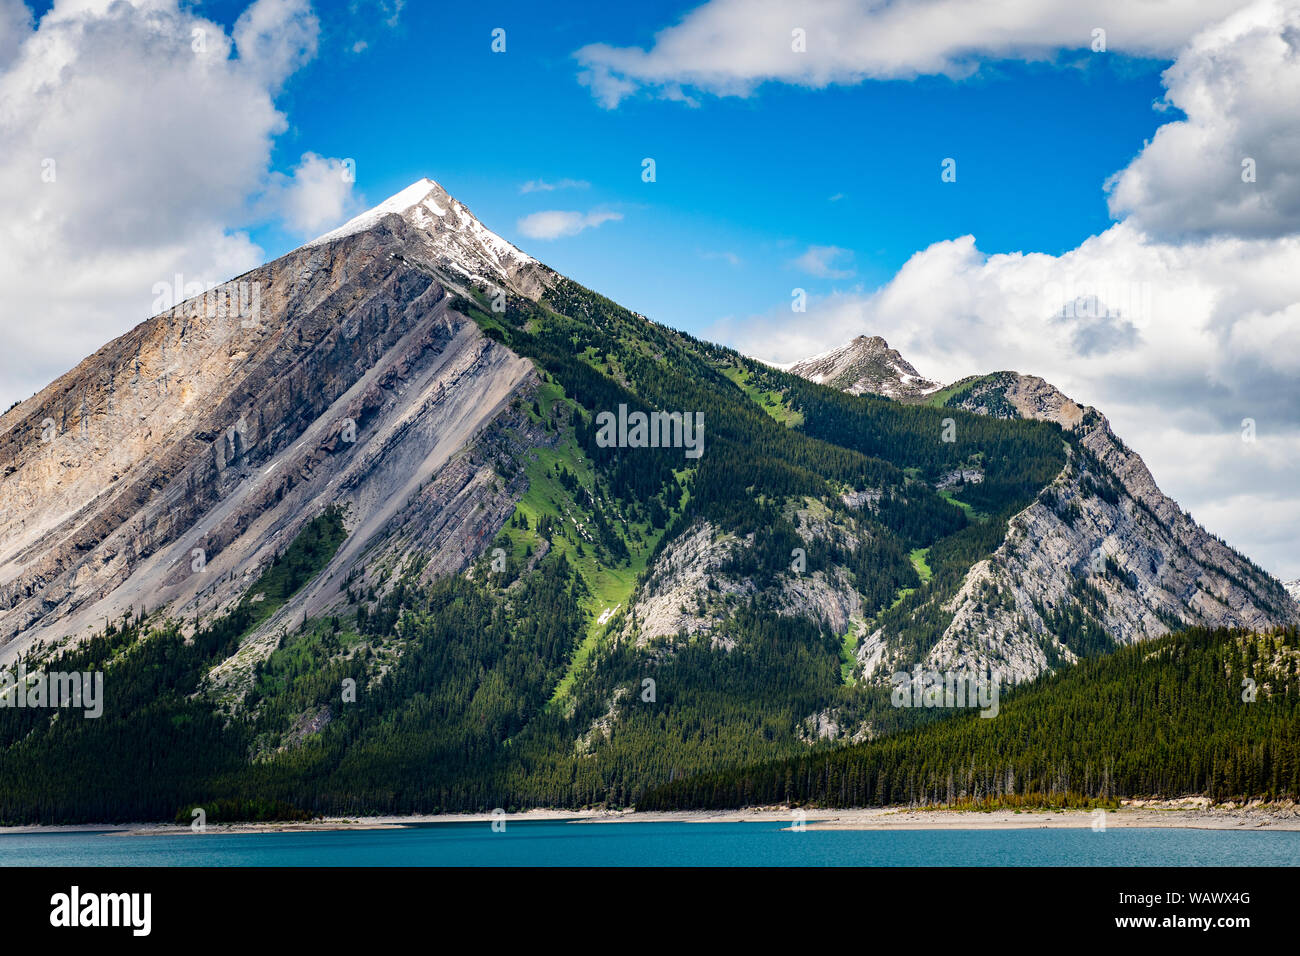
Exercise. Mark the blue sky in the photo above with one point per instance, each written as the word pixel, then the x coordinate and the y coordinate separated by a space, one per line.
pixel 744 185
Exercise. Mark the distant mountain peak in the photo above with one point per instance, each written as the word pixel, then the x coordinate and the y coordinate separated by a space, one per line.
pixel 867 365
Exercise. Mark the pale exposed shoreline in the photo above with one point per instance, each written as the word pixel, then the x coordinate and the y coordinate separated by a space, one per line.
pixel 1190 813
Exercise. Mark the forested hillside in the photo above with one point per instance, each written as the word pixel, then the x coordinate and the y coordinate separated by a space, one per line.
pixel 1200 712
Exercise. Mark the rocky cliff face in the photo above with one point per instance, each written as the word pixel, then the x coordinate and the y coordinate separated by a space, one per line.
pixel 1101 555
pixel 1104 541
pixel 867 365
pixel 1104 546
pixel 168 467
pixel 692 587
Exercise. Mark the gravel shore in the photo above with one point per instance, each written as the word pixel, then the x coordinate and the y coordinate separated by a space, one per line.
pixel 1191 813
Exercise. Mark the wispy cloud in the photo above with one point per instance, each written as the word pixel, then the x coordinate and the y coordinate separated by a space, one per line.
pixel 730 47
pixel 825 262
pixel 542 186
pixel 558 223
pixel 728 257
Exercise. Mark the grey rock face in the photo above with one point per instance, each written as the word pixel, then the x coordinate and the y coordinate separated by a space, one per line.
pixel 1102 543
pixel 690 590
pixel 175 462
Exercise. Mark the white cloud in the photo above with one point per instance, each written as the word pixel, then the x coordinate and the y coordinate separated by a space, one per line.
pixel 391 10
pixel 366 21
pixel 275 38
pixel 1239 84
pixel 825 262
pixel 729 47
pixel 542 186
pixel 557 223
pixel 15 24
pixel 319 194
pixel 131 146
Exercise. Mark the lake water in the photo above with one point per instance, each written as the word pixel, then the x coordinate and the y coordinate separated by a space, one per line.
pixel 558 843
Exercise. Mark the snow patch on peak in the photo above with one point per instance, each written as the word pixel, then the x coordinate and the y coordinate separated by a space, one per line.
pixel 423 194
pixel 452 237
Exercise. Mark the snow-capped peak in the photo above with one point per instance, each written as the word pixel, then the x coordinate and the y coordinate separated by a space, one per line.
pixel 424 192
pixel 452 234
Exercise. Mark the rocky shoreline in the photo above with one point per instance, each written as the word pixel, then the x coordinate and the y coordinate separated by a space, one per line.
pixel 1188 813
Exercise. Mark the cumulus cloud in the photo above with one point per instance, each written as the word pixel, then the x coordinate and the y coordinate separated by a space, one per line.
pixel 557 223
pixel 729 47
pixel 319 193
pixel 1230 167
pixel 1218 316
pixel 825 262
pixel 275 38
pixel 137 138
pixel 15 24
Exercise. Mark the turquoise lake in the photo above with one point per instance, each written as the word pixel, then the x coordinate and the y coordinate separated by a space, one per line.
pixel 557 843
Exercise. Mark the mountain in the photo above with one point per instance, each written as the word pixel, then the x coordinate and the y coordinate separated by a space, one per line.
pixel 1293 589
pixel 406 521
pixel 1100 558
pixel 206 432
pixel 867 364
